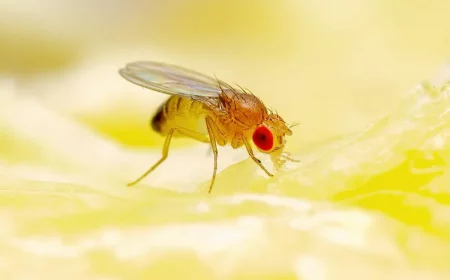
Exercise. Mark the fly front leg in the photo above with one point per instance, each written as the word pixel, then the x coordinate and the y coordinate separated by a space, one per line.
pixel 250 153
pixel 165 153
pixel 287 156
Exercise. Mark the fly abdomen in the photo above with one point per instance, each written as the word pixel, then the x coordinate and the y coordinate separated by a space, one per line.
pixel 159 118
pixel 165 112
pixel 176 111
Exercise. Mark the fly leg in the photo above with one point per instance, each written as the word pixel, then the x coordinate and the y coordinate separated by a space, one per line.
pixel 186 132
pixel 250 153
pixel 287 156
pixel 197 136
pixel 165 153
pixel 194 135
pixel 209 125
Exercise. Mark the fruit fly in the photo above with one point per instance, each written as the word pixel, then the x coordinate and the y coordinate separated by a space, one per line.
pixel 210 111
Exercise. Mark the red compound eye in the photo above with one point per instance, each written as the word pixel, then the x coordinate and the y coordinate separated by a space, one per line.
pixel 263 138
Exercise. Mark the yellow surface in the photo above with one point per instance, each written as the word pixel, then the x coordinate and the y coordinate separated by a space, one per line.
pixel 369 200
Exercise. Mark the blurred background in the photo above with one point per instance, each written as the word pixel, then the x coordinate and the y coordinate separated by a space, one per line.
pixel 68 120
pixel 342 64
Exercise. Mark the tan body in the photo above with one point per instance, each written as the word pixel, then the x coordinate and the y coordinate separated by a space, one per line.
pixel 236 117
pixel 210 111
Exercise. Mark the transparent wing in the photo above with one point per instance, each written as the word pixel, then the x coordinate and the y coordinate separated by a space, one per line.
pixel 171 79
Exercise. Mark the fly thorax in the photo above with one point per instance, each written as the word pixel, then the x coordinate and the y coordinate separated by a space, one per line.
pixel 247 110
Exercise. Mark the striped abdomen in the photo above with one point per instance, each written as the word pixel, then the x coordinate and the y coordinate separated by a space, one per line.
pixel 179 111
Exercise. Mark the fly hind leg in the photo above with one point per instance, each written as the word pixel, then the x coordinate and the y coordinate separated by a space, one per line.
pixel 194 135
pixel 165 153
